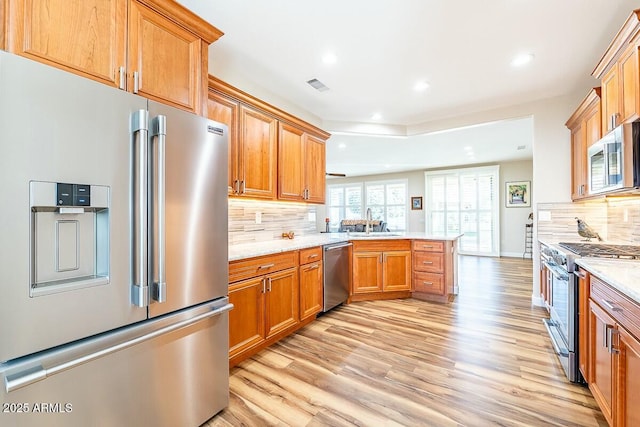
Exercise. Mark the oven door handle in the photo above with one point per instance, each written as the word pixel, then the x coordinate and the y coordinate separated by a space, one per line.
pixel 557 271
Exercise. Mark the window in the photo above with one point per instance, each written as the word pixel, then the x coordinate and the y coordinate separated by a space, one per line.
pixel 465 201
pixel 387 200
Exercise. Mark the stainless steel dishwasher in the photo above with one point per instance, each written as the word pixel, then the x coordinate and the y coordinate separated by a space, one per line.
pixel 336 274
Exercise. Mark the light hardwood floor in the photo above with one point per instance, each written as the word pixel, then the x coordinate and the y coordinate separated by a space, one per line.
pixel 484 359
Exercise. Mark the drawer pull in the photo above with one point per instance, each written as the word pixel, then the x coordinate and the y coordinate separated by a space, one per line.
pixel 428 283
pixel 426 246
pixel 313 267
pixel 312 256
pixel 427 262
pixel 610 306
pixel 262 267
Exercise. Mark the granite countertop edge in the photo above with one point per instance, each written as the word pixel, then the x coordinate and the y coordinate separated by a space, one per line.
pixel 623 275
pixel 270 247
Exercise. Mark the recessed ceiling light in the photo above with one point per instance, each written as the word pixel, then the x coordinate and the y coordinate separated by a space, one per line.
pixel 421 86
pixel 342 146
pixel 376 116
pixel 468 148
pixel 522 59
pixel 329 58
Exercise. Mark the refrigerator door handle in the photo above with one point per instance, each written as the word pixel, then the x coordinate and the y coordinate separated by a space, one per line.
pixel 158 133
pixel 37 373
pixel 139 207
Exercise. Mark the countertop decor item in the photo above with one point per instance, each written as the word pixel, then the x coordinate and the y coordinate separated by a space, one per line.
pixel 518 194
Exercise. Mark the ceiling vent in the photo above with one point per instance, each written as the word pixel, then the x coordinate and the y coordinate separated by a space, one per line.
pixel 521 147
pixel 317 84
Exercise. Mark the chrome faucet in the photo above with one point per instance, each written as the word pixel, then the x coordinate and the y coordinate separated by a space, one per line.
pixel 368 223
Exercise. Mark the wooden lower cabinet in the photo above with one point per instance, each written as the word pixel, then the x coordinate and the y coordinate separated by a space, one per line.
pixel 614 354
pixel 311 283
pixel 266 306
pixel 601 361
pixel 381 269
pixel 434 269
pixel 628 380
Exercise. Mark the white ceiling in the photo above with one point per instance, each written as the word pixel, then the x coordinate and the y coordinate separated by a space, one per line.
pixel 462 48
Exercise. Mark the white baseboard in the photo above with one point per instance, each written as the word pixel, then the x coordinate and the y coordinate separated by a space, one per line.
pixel 514 255
pixel 537 301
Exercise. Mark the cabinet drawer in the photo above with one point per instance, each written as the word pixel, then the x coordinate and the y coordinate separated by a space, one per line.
pixel 428 246
pixel 310 255
pixel 431 283
pixel 382 245
pixel 621 308
pixel 252 267
pixel 432 262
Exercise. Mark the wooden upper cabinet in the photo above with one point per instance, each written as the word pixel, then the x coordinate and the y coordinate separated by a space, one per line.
pixel 227 111
pixel 585 127
pixel 272 153
pixel 87 38
pixel 165 60
pixel 291 185
pixel 160 42
pixel 619 75
pixel 315 169
pixel 301 165
pixel 257 154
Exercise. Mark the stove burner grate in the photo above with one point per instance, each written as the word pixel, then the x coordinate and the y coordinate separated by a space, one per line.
pixel 603 250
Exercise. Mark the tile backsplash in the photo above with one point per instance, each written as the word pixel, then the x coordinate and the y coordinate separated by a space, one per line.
pixel 274 218
pixel 615 219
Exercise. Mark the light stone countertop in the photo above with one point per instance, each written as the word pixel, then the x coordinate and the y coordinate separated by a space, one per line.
pixel 254 249
pixel 624 275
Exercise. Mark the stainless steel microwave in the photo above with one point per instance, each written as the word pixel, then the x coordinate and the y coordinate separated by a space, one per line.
pixel 614 161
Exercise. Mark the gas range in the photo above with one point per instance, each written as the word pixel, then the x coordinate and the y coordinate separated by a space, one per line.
pixel 565 253
pixel 603 250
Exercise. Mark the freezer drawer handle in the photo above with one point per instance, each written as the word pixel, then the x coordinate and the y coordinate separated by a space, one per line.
pixel 32 375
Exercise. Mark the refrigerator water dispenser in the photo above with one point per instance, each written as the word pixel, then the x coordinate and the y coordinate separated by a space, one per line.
pixel 69 236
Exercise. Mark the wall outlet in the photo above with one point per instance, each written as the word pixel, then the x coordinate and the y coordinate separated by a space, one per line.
pixel 258 217
pixel 544 215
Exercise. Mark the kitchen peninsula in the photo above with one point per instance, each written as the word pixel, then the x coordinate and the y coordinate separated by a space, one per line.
pixel 276 286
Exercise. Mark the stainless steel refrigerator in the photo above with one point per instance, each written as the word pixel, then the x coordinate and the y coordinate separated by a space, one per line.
pixel 113 255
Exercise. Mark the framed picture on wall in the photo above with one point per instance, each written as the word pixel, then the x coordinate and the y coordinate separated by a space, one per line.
pixel 518 194
pixel 416 203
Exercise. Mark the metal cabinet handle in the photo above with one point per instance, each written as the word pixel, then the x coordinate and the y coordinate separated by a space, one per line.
pixel 610 306
pixel 428 283
pixel 264 285
pixel 610 332
pixel 242 187
pixel 427 262
pixel 236 186
pixel 122 78
pixel 312 256
pixel 262 267
pixel 427 246
pixel 313 267
pixel 269 284
pixel 136 82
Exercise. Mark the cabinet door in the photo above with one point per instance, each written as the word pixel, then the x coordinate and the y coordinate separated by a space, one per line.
pixel 592 127
pixel 246 320
pixel 314 169
pixel 85 37
pixel 628 81
pixel 628 380
pixel 396 271
pixel 282 301
pixel 367 272
pixel 290 163
pixel 226 111
pixel 167 58
pixel 258 151
pixel 310 289
pixel 578 164
pixel 610 99
pixel 583 324
pixel 600 360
